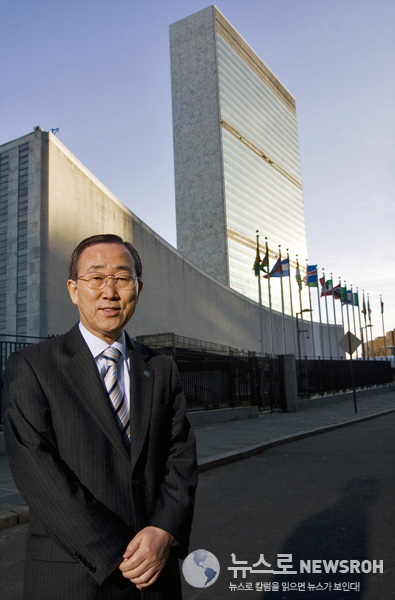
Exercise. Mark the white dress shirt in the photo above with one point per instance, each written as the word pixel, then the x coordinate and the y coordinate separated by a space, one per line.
pixel 97 347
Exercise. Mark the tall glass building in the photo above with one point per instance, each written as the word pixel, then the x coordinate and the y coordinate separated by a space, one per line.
pixel 237 162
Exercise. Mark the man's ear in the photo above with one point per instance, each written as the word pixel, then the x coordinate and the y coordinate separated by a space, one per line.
pixel 73 291
pixel 140 287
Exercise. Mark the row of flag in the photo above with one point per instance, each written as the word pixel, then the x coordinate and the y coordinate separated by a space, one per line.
pixel 325 287
pixel 282 269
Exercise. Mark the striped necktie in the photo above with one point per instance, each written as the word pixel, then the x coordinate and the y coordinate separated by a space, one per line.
pixel 117 397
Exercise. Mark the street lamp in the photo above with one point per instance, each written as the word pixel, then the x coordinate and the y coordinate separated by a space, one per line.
pixel 299 331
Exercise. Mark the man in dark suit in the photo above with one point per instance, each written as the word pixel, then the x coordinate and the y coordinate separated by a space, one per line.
pixel 99 445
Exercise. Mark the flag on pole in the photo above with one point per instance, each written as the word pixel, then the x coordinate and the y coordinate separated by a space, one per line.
pixel 355 299
pixel 311 278
pixel 265 261
pixel 257 264
pixel 261 265
pixel 369 311
pixel 285 267
pixel 277 269
pixel 382 321
pixel 326 287
pixel 337 292
pixel 298 276
pixel 363 311
pixel 346 296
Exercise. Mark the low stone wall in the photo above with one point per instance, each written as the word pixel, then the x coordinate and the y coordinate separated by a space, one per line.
pixel 209 417
pixel 305 403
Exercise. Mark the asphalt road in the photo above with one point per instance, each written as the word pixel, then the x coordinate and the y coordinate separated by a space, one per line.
pixel 330 496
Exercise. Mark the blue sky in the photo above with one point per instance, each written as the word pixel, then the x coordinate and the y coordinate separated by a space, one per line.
pixel 100 71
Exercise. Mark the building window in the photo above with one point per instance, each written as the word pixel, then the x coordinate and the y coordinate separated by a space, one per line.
pixel 4 175
pixel 23 186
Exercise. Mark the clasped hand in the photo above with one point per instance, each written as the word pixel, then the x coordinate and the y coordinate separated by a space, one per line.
pixel 146 556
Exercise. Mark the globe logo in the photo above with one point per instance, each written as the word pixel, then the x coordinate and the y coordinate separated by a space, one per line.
pixel 201 569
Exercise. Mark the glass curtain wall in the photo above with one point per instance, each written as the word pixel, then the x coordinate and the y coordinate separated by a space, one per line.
pixel 262 176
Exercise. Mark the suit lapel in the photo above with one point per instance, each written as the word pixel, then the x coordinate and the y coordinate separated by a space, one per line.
pixel 141 386
pixel 81 371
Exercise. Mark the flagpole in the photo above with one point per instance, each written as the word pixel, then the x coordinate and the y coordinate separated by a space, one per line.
pixel 350 353
pixel 290 297
pixel 270 297
pixel 348 314
pixel 282 301
pixel 366 325
pixel 334 314
pixel 311 312
pixel 360 326
pixel 341 304
pixel 300 286
pixel 353 315
pixel 258 258
pixel 327 317
pixel 319 313
pixel 382 319
pixel 299 280
pixel 370 323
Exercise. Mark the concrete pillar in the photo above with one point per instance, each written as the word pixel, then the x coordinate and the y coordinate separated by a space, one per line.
pixel 289 382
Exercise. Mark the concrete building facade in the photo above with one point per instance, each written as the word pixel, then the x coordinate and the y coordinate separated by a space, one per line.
pixel 49 201
pixel 236 148
pixel 381 346
pixel 23 215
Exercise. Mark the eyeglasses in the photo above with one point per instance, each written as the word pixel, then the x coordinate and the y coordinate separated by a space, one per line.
pixel 97 281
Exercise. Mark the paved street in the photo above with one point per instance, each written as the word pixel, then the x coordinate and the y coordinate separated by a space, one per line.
pixel 12 550
pixel 330 496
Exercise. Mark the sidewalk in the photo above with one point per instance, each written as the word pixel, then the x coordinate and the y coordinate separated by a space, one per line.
pixel 226 442
pixel 222 443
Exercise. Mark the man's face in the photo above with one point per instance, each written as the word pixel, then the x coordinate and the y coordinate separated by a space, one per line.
pixel 105 312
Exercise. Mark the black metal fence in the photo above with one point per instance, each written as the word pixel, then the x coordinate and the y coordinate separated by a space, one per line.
pixel 7 346
pixel 216 376
pixel 333 376
pixel 214 379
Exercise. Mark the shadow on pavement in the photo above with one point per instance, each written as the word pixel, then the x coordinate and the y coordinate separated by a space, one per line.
pixel 338 533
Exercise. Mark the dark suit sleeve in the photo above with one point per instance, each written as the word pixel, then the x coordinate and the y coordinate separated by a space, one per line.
pixel 173 510
pixel 73 518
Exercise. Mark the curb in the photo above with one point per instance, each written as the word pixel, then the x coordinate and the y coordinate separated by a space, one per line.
pixel 20 514
pixel 248 451
pixel 14 516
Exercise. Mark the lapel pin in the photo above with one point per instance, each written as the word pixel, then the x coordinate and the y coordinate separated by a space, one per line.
pixel 146 373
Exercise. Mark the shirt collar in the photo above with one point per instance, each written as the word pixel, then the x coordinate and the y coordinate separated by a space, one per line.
pixel 97 345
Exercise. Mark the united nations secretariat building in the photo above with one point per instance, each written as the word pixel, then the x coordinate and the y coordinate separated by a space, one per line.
pixel 237 169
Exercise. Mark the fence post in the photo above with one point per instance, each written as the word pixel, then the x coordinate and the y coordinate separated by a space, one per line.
pixel 289 382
